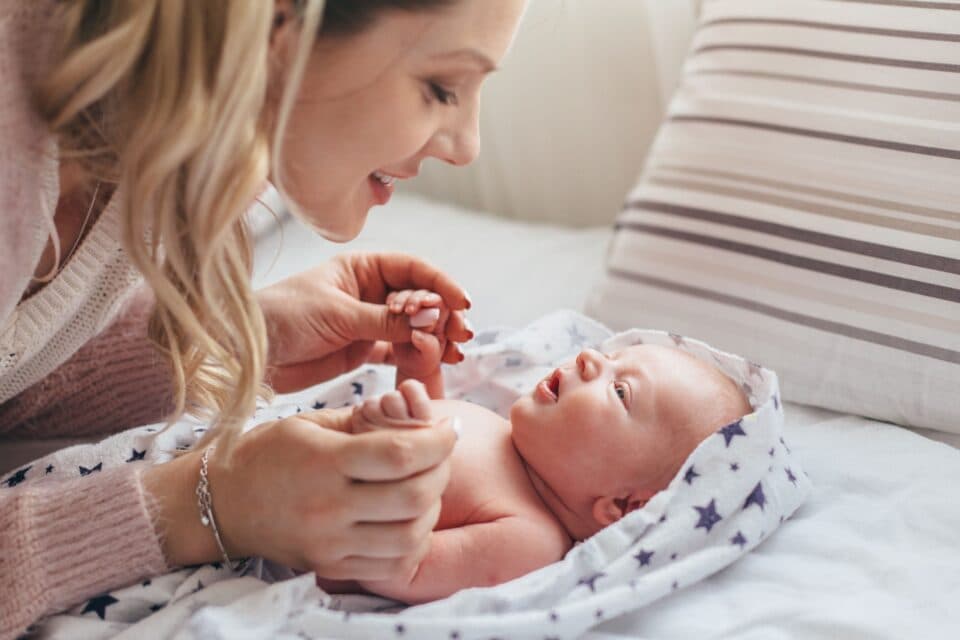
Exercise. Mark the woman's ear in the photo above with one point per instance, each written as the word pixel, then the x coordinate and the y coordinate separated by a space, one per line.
pixel 609 509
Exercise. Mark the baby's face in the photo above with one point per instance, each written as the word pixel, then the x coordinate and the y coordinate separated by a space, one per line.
pixel 609 424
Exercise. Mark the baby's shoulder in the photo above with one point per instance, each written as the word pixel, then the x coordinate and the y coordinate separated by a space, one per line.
pixel 488 480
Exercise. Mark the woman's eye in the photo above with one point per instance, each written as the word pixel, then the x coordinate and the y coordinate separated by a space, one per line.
pixel 441 94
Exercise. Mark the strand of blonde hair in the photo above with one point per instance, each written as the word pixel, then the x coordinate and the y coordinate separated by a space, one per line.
pixel 167 100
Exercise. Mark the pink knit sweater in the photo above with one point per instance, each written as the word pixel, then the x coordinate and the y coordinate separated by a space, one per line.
pixel 78 362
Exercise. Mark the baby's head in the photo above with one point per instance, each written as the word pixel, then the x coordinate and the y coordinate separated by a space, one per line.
pixel 602 434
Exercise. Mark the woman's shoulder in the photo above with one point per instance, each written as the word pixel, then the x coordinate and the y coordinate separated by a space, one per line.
pixel 28 165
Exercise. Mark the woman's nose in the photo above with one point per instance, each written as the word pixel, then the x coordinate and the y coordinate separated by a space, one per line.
pixel 459 143
pixel 590 364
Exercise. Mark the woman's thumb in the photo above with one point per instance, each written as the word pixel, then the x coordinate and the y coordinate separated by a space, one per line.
pixel 376 322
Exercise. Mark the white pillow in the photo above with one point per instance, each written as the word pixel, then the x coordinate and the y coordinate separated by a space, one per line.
pixel 801 204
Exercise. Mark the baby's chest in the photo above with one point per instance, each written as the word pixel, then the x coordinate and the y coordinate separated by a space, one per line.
pixel 487 477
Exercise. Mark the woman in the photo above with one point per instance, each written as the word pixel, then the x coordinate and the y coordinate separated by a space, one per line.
pixel 135 134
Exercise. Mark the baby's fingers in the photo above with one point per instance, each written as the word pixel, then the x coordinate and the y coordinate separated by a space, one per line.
pixel 422 298
pixel 394 406
pixel 417 399
pixel 397 300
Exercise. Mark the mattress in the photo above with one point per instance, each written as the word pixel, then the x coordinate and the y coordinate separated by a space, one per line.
pixel 872 554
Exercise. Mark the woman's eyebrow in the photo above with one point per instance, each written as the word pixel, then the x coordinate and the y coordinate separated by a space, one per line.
pixel 474 55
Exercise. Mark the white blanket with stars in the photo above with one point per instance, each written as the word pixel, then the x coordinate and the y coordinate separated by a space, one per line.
pixel 734 490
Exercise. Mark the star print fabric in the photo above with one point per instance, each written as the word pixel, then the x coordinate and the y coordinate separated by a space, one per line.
pixel 732 492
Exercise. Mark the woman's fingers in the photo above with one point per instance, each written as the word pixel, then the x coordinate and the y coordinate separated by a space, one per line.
pixel 401 501
pixel 452 354
pixel 392 454
pixel 396 271
pixel 458 328
pixel 394 539
pixel 370 569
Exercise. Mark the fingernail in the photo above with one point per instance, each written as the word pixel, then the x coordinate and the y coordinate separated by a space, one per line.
pixel 460 353
pixel 468 328
pixel 425 317
pixel 456 426
pixel 468 299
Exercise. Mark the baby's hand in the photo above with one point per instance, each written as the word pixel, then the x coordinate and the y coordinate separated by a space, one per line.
pixel 407 406
pixel 421 357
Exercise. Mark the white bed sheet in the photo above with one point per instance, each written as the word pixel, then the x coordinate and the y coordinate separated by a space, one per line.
pixel 874 552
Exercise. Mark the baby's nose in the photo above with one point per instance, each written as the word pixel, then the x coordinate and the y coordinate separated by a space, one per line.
pixel 589 363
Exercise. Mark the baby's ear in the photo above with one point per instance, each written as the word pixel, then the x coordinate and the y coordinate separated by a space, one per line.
pixel 609 509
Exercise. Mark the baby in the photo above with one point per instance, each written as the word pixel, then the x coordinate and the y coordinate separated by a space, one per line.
pixel 596 439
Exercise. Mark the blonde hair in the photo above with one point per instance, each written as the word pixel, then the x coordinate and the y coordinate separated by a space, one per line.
pixel 167 100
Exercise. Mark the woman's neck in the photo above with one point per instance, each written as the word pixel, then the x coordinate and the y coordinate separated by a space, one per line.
pixel 73 205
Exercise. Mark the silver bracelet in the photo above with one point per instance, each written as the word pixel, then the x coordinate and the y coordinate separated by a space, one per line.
pixel 205 502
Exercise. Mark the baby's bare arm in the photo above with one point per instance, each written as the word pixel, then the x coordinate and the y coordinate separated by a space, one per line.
pixel 478 555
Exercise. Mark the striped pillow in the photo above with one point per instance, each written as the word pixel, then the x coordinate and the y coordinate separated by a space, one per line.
pixel 801 205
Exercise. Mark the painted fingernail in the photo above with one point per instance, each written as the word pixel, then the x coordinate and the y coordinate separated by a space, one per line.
pixel 468 328
pixel 468 299
pixel 460 356
pixel 425 317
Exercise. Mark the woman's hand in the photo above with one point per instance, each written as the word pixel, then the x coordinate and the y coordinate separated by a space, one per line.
pixel 347 506
pixel 326 321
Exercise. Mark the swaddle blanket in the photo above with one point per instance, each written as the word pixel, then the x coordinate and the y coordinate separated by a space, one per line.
pixel 733 491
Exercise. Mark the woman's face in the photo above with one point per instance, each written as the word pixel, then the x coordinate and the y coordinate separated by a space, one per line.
pixel 378 103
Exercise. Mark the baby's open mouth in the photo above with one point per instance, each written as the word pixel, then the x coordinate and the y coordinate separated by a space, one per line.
pixel 550 386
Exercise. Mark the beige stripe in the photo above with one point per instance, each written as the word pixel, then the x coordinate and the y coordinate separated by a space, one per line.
pixel 830 26
pixel 852 303
pixel 900 207
pixel 857 333
pixel 808 206
pixel 946 6
pixel 836 84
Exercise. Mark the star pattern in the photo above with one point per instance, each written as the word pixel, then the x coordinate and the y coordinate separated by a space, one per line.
pixel 732 430
pixel 792 478
pixel 591 581
pixel 17 477
pixel 99 605
pixel 644 557
pixel 85 471
pixel 708 516
pixel 756 497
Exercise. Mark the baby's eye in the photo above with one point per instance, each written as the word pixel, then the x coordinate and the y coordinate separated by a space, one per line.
pixel 621 390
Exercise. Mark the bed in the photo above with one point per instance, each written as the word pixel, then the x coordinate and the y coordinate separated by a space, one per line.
pixel 871 554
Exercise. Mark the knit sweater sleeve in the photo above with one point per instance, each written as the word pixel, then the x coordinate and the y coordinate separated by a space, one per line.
pixel 63 542
pixel 116 381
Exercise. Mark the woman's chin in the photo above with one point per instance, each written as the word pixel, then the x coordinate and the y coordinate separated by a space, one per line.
pixel 340 230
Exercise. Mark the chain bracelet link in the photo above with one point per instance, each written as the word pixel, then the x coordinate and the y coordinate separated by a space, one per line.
pixel 205 502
